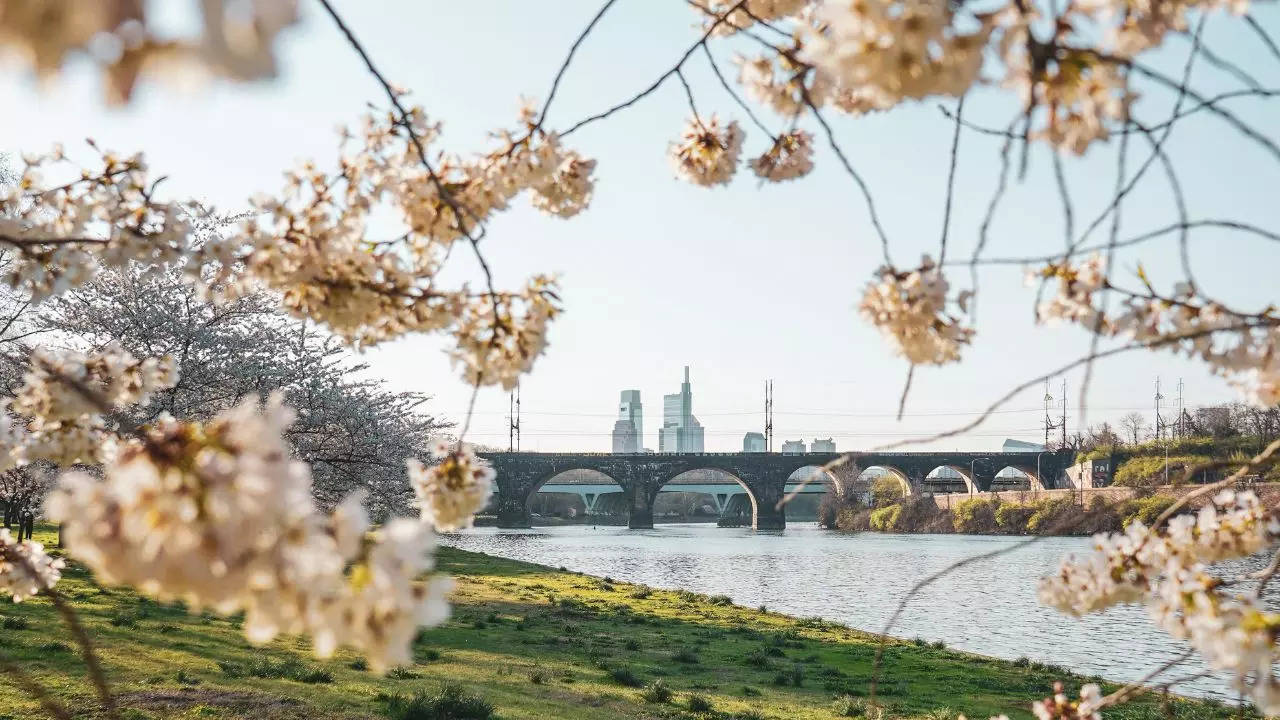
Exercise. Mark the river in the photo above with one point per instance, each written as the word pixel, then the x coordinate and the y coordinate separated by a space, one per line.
pixel 986 607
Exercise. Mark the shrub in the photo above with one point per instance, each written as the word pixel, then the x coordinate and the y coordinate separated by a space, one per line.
pixel 641 592
pixel 11 622
pixel 1147 509
pixel 429 655
pixel 402 673
pixel 977 515
pixel 1012 518
pixel 120 618
pixel 720 600
pixel 794 676
pixel 886 518
pixel 54 647
pixel 1050 514
pixel 624 676
pixel 758 658
pixel 537 676
pixel 450 702
pixel 1150 470
pixel 748 691
pixel 848 706
pixel 685 655
pixel 631 644
pixel 656 692
pixel 359 664
pixel 697 703
pixel 287 669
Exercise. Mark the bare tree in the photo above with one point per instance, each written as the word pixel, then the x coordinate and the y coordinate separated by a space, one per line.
pixel 1134 426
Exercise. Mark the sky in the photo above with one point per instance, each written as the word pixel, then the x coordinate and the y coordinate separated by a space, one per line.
pixel 741 283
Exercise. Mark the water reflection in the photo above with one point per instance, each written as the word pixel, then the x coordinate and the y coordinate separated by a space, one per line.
pixel 986 607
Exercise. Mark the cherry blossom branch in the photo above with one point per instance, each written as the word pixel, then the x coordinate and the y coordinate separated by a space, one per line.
pixel 564 67
pixel 715 68
pixel 951 184
pixel 659 81
pixel 1139 687
pixel 445 193
pixel 1135 240
pixel 1262 34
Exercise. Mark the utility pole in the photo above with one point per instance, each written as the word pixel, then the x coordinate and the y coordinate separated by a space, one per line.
pixel 768 415
pixel 1159 420
pixel 1063 422
pixel 1178 427
pixel 511 421
pixel 517 422
pixel 1048 423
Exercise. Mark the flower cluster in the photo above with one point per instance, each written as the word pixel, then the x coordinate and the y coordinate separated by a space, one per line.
pixel 25 568
pixel 219 516
pixel 1244 348
pixel 454 488
pixel 910 308
pixel 312 244
pixel 499 337
pixel 1060 707
pixel 63 231
pixel 236 40
pixel 894 49
pixel 789 158
pixel 1166 568
pixel 707 154
pixel 731 16
pixel 64 395
pixel 1080 92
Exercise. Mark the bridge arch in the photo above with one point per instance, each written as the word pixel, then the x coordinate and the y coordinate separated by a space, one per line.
pixel 700 473
pixel 589 484
pixel 871 473
pixel 944 472
pixel 1034 480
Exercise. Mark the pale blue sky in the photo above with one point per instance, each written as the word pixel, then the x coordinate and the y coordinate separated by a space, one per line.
pixel 741 283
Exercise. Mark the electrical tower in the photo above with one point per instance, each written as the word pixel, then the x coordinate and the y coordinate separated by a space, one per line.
pixel 768 415
pixel 513 420
pixel 1049 424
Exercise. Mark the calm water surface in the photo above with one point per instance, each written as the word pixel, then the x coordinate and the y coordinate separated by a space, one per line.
pixel 987 607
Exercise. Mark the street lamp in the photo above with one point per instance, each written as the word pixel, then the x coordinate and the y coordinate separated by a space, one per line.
pixel 1039 478
pixel 973 475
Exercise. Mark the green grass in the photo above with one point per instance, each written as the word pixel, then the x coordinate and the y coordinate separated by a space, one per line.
pixel 532 642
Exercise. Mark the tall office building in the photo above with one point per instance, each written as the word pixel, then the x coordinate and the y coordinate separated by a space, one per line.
pixel 828 445
pixel 753 442
pixel 628 431
pixel 680 432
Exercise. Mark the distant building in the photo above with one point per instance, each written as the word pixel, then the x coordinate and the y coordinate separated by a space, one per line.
pixel 1012 445
pixel 753 442
pixel 680 432
pixel 827 445
pixel 793 447
pixel 628 431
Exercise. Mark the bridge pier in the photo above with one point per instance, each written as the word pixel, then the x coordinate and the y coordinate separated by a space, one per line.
pixel 640 508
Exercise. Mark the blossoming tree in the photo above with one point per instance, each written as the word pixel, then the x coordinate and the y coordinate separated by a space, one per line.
pixel 218 514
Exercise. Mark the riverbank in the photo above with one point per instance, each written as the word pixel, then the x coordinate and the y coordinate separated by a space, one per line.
pixel 535 643
pixel 1051 512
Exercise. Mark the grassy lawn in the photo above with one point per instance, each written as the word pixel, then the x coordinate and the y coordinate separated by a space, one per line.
pixel 533 641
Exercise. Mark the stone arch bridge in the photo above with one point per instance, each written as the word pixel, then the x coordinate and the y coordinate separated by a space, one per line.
pixel 762 475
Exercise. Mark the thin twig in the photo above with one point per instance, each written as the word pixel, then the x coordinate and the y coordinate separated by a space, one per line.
pixel 555 84
pixel 951 184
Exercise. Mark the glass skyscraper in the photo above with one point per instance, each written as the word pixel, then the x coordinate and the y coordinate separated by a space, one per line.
pixel 680 432
pixel 628 431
